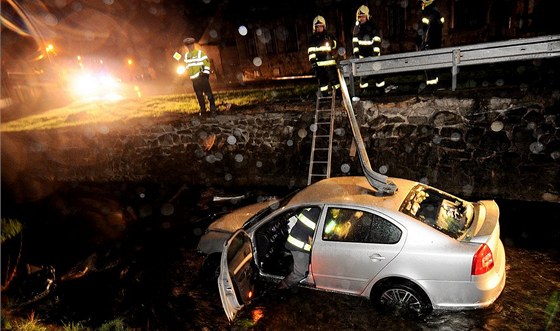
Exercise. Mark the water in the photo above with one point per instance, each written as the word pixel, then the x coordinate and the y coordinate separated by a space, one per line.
pixel 128 251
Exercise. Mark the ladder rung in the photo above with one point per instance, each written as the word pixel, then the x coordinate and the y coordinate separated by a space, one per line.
pixel 321 149
pixel 320 162
pixel 319 175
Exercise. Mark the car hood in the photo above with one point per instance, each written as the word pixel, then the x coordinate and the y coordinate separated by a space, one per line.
pixel 235 220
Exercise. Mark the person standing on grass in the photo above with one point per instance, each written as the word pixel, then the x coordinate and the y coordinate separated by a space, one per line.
pixel 198 69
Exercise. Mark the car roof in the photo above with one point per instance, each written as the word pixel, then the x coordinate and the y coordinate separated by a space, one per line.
pixel 352 190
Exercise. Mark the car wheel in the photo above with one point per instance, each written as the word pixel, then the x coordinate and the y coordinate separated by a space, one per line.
pixel 402 298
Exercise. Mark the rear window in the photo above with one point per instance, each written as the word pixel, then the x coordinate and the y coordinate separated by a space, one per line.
pixel 442 211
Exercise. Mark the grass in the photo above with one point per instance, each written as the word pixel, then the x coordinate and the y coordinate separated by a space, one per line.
pixel 77 114
pixel 32 323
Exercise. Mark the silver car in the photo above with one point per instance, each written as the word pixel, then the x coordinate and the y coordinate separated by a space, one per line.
pixel 418 249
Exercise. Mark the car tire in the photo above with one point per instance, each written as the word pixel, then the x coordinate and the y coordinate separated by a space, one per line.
pixel 404 298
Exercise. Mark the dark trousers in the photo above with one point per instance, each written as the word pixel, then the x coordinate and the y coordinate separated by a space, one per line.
pixel 201 86
pixel 299 270
pixel 327 77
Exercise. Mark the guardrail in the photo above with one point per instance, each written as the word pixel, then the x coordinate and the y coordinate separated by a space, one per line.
pixel 453 57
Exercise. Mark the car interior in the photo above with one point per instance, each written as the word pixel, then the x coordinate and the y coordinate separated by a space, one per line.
pixel 273 257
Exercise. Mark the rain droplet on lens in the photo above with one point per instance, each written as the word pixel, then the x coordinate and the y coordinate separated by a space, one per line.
pixel 313 127
pixel 455 136
pixel 167 209
pixel 242 30
pixel 500 82
pixel 345 168
pixel 257 61
pixel 231 140
pixel 302 133
pixel 555 155
pixel 210 158
pixel 228 177
pixel 437 140
pixel 497 126
pixel 238 158
pixel 202 135
pixel 290 142
pixel 536 147
pixel 259 164
pixel 383 169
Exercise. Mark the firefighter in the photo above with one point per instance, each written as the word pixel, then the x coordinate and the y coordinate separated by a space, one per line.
pixel 299 243
pixel 198 69
pixel 321 51
pixel 430 34
pixel 366 41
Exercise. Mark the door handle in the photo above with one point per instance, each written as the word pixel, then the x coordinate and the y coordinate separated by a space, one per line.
pixel 376 257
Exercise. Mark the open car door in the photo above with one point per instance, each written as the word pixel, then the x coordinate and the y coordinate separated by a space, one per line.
pixel 236 283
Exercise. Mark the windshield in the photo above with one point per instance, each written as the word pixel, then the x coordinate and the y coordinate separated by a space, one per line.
pixel 269 210
pixel 442 211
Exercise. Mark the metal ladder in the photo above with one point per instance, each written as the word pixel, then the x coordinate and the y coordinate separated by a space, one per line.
pixel 321 144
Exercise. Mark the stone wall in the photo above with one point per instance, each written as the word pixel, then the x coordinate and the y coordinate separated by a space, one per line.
pixel 486 147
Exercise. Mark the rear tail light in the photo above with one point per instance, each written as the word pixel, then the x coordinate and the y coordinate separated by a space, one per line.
pixel 483 261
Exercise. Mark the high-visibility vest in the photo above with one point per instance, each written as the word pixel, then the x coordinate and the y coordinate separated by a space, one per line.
pixel 197 62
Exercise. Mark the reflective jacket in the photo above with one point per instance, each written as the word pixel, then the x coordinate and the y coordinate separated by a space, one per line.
pixel 366 40
pixel 431 28
pixel 302 230
pixel 320 51
pixel 197 63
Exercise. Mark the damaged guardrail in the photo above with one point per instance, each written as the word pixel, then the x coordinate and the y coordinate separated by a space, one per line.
pixel 453 57
pixel 376 180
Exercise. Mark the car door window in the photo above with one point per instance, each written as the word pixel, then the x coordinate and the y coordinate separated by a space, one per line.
pixel 350 225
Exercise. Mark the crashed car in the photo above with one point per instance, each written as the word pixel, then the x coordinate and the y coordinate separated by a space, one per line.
pixel 418 249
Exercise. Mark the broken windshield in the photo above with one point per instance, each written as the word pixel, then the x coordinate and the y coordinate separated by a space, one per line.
pixel 442 211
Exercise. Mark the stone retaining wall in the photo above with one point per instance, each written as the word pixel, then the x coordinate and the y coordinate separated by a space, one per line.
pixel 484 147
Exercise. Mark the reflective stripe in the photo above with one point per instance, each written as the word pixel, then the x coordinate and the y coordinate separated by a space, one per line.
pixel 377 50
pixel 381 84
pixel 425 20
pixel 312 56
pixel 195 64
pixel 298 243
pixel 377 39
pixel 177 56
pixel 195 75
pixel 364 85
pixel 432 81
pixel 355 40
pixel 365 42
pixel 326 63
pixel 442 20
pixel 324 88
pixel 305 220
pixel 326 48
pixel 356 50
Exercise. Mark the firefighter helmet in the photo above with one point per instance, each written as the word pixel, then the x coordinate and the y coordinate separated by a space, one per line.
pixel 319 20
pixel 426 3
pixel 363 10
